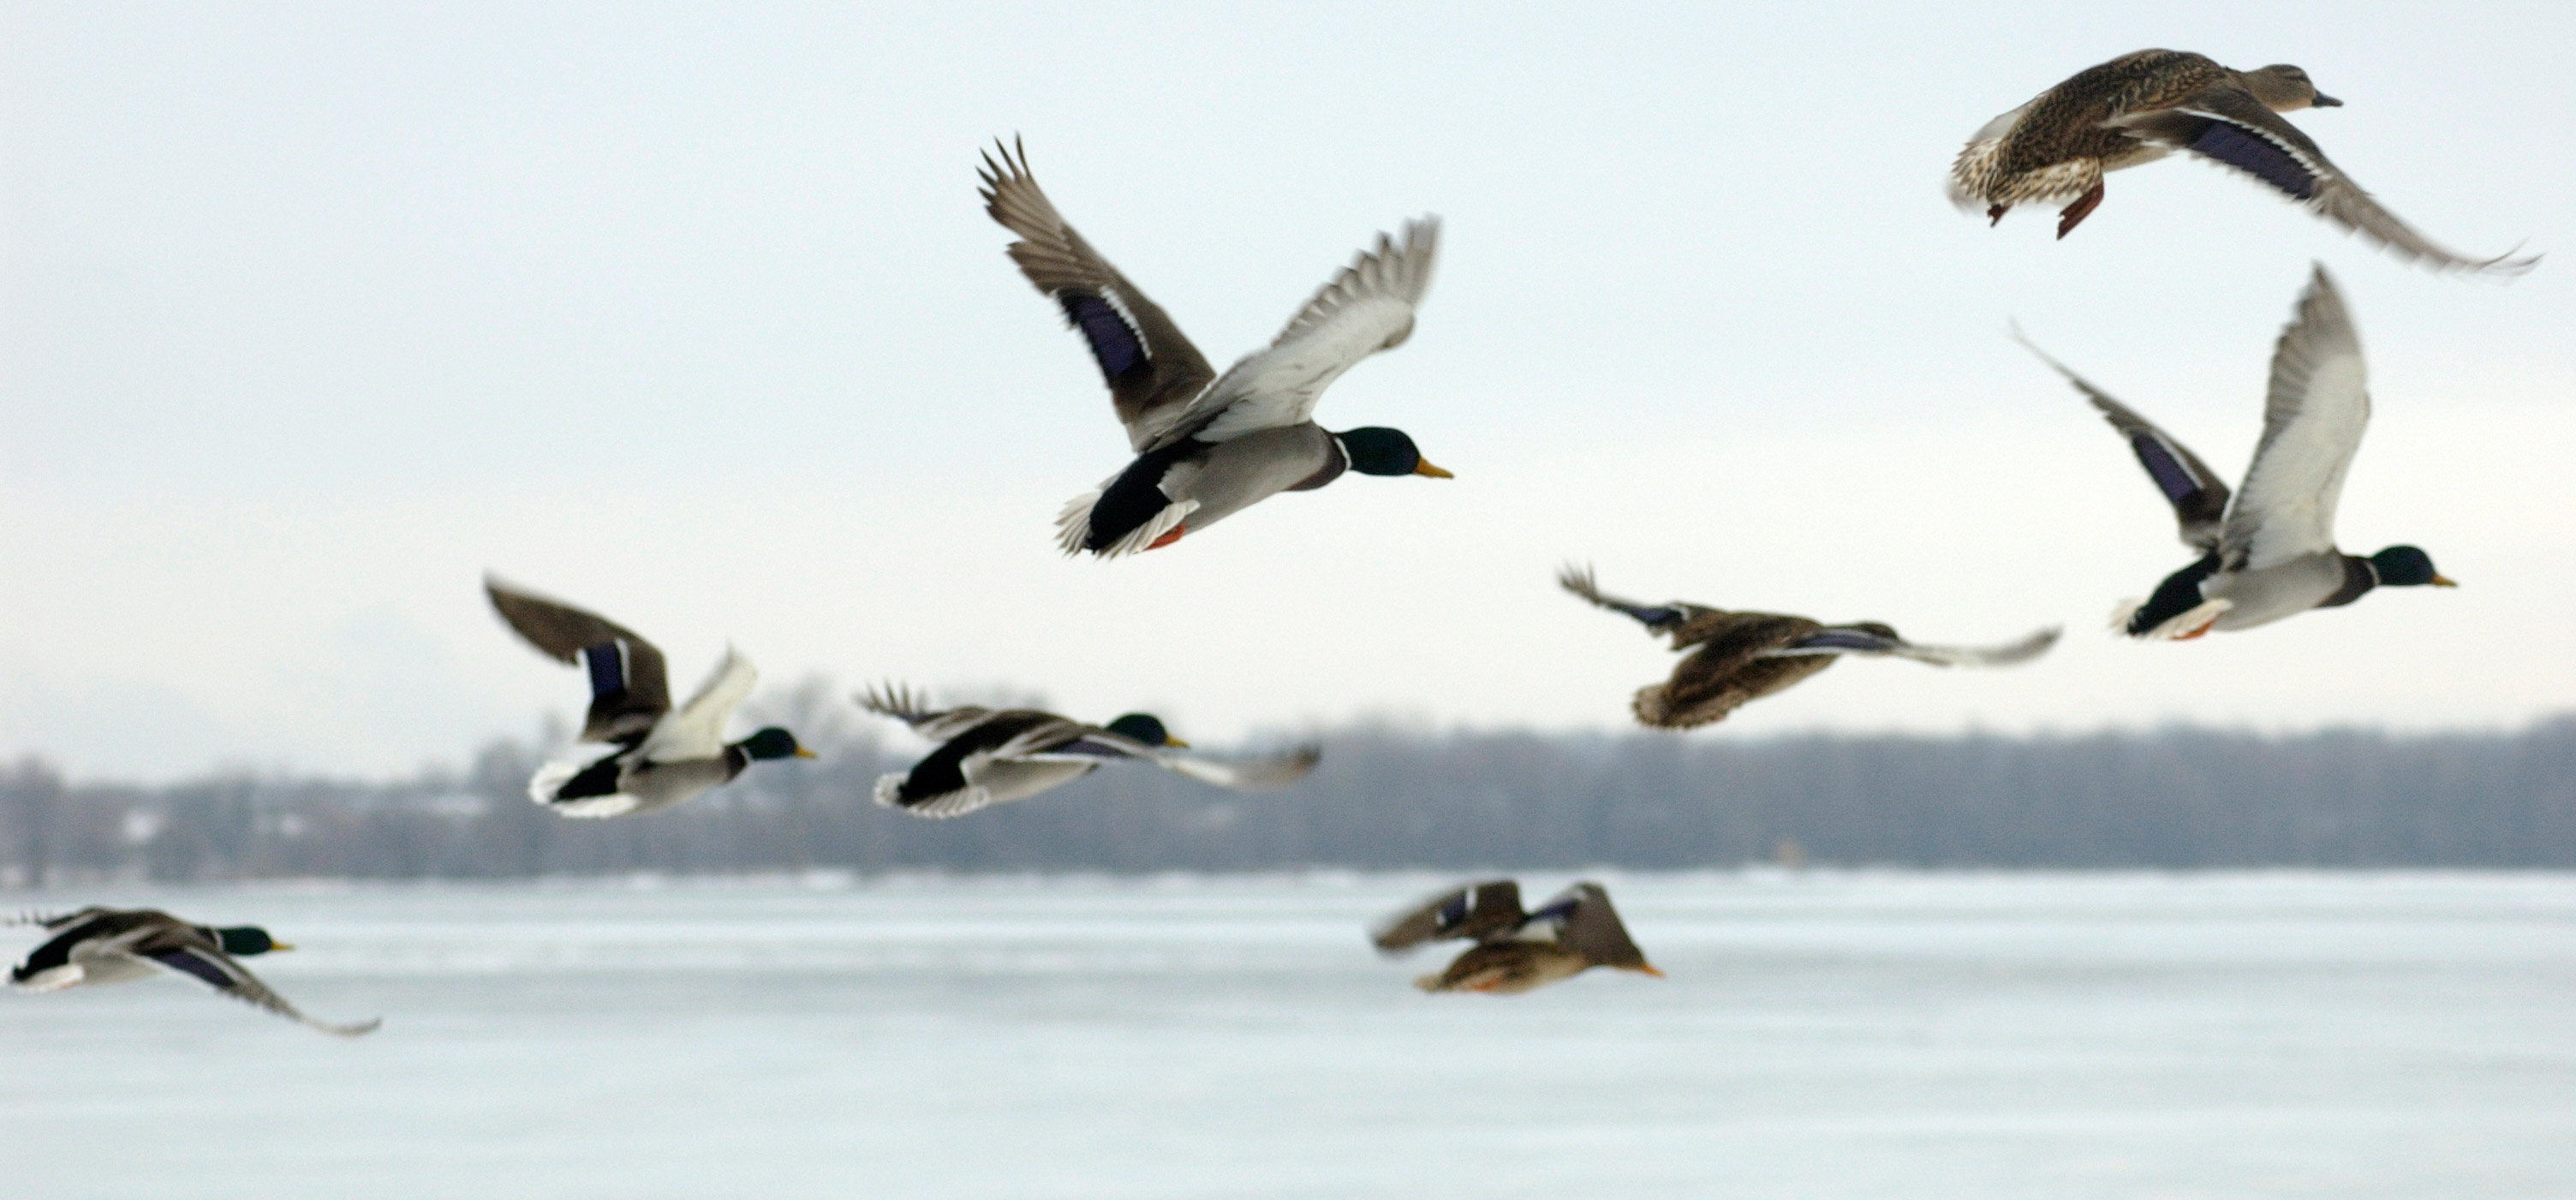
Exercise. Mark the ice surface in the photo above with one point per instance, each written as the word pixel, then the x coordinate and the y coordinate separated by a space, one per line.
pixel 1822 1035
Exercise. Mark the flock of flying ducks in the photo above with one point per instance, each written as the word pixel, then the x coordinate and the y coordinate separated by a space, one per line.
pixel 1207 445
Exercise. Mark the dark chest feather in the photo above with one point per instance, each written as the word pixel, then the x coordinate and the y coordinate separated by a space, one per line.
pixel 2358 577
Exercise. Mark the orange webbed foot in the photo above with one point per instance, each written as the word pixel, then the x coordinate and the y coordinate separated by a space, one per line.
pixel 1169 538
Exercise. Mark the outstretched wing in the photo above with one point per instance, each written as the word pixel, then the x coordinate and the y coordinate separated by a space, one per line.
pixel 628 688
pixel 2313 418
pixel 2198 494
pixel 1857 639
pixel 1656 617
pixel 181 948
pixel 913 708
pixel 1267 774
pixel 1478 911
pixel 1153 372
pixel 2227 125
pixel 1586 924
pixel 696 731
pixel 1367 308
pixel 218 970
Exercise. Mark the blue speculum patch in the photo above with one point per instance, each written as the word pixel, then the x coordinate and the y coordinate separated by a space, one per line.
pixel 1840 640
pixel 1112 342
pixel 607 668
pixel 2257 156
pixel 2177 483
pixel 188 961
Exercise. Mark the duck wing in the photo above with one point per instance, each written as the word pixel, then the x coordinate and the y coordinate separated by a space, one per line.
pixel 1479 911
pixel 2313 418
pixel 1879 641
pixel 913 708
pixel 1091 743
pixel 1152 371
pixel 1585 923
pixel 2198 494
pixel 1265 774
pixel 1366 308
pixel 1658 618
pixel 629 689
pixel 2225 124
pixel 697 730
pixel 188 951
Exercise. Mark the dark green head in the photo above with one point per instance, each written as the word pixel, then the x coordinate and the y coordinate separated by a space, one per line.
pixel 1144 728
pixel 242 941
pixel 773 742
pixel 1378 451
pixel 2406 566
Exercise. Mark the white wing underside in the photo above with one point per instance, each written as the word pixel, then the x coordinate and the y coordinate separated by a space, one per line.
pixel 696 729
pixel 2318 407
pixel 1367 308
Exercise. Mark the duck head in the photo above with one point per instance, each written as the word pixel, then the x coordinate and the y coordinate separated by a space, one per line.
pixel 243 941
pixel 1144 727
pixel 2406 566
pixel 1378 451
pixel 2285 88
pixel 772 742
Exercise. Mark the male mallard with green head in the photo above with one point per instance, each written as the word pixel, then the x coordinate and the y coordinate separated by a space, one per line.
pixel 1209 446
pixel 994 756
pixel 1515 951
pixel 2140 107
pixel 663 756
pixel 1741 657
pixel 2271 554
pixel 115 945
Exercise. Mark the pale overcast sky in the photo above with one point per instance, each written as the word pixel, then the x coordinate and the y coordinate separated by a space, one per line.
pixel 313 313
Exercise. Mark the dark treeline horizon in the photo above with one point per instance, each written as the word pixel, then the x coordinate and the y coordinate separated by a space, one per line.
pixel 1393 797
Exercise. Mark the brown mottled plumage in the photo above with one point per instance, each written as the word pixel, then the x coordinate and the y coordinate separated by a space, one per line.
pixel 2140 107
pixel 1515 951
pixel 1741 657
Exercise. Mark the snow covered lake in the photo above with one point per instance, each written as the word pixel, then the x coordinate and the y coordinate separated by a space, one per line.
pixel 1822 1034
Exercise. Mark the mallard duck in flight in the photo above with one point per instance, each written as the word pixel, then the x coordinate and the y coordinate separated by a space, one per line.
pixel 2271 553
pixel 2140 107
pixel 1744 656
pixel 114 945
pixel 989 756
pixel 1515 951
pixel 1209 446
pixel 663 757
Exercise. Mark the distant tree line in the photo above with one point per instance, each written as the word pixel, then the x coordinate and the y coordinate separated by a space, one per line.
pixel 1393 797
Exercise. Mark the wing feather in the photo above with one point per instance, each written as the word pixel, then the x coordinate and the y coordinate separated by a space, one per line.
pixel 2198 495
pixel 696 731
pixel 913 708
pixel 2313 417
pixel 2227 125
pixel 1366 308
pixel 1264 774
pixel 1478 911
pixel 1852 639
pixel 1153 372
